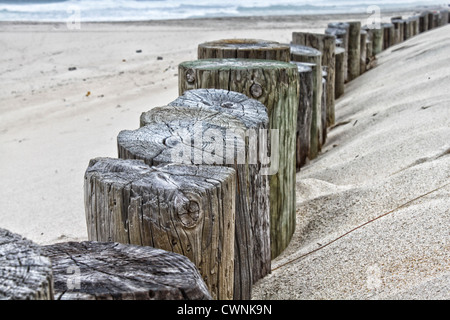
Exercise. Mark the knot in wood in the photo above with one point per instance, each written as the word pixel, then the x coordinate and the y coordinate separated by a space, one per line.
pixel 256 90
pixel 189 214
pixel 227 105
pixel 190 76
pixel 172 141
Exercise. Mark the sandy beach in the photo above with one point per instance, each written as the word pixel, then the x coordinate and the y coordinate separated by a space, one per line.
pixel 66 94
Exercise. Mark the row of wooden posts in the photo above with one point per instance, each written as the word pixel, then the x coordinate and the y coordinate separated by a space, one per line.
pixel 202 196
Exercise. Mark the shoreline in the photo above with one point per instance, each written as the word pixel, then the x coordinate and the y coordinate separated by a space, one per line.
pixel 244 19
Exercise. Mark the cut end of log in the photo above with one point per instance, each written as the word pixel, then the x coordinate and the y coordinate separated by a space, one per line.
pixel 251 112
pixel 244 48
pixel 185 209
pixel 111 271
pixel 25 272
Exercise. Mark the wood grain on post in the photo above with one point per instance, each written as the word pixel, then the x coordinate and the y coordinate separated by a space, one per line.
pixel 431 20
pixel 91 270
pixel 436 19
pixel 243 48
pixel 326 44
pixel 370 57
pixel 25 271
pixel 185 209
pixel 340 72
pixel 304 114
pixel 254 117
pixel 377 40
pixel 423 21
pixel 207 137
pixel 324 107
pixel 444 17
pixel 399 29
pixel 414 26
pixel 407 32
pixel 276 85
pixel 301 53
pixel 388 35
pixel 363 51
pixel 354 50
pixel 341 31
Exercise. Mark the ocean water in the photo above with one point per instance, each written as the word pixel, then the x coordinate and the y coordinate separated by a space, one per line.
pixel 141 10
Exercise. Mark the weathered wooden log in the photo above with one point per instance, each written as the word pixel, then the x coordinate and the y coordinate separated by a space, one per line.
pixel 431 20
pixel 399 29
pixel 388 35
pixel 275 84
pixel 325 43
pixel 324 107
pixel 185 209
pixel 304 114
pixel 253 115
pixel 414 20
pixel 436 19
pixel 377 41
pixel 445 17
pixel 207 137
pixel 423 21
pixel 341 31
pixel 243 48
pixel 91 270
pixel 300 53
pixel 363 51
pixel 340 72
pixel 25 272
pixel 407 29
pixel 354 50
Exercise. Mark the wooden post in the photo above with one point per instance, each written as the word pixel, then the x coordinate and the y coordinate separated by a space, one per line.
pixel 92 270
pixel 304 114
pixel 25 272
pixel 414 20
pixel 407 29
pixel 184 209
pixel 276 85
pixel 325 44
pixel 431 20
pixel 436 19
pixel 444 17
pixel 388 35
pixel 253 115
pixel 340 72
pixel 207 137
pixel 244 48
pixel 370 58
pixel 354 50
pixel 377 41
pixel 423 22
pixel 341 31
pixel 300 53
pixel 398 25
pixel 324 105
pixel 363 51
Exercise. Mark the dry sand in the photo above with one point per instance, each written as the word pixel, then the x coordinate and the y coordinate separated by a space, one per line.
pixel 390 157
pixel 393 149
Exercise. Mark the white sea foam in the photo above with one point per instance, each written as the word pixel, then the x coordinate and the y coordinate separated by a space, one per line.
pixel 138 10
